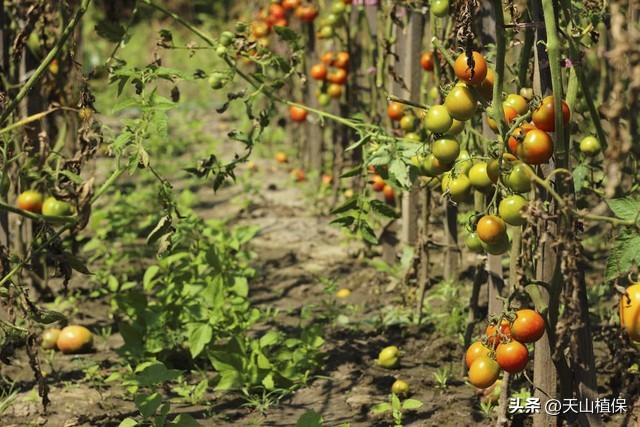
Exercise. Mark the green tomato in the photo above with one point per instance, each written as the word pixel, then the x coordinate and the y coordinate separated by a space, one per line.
pixel 217 80
pixel 413 136
pixel 498 248
pixel 226 38
pixel 456 127
pixel 400 387
pixel 518 179
pixel 473 242
pixel 480 178
pixel 434 167
pixel 459 188
pixel 463 162
pixel 408 123
pixel 461 103
pixel 338 7
pixel 332 19
pixel 440 8
pixel 388 357
pixel 437 119
pixel 446 150
pixel 590 146
pixel 324 99
pixel 510 209
pixel 54 207
pixel 325 32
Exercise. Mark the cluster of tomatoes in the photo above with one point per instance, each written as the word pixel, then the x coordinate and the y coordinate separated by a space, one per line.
pixel 503 347
pixel 331 72
pixel 335 18
pixel 278 14
pixel 33 201
pixel 379 185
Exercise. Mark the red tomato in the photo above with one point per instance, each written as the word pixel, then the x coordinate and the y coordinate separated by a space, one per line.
pixel 395 111
pixel 318 72
pixel 426 61
pixel 342 60
pixel 512 356
pixel 544 116
pixel 291 4
pixel 339 76
pixel 277 11
pixel 389 194
pixel 528 326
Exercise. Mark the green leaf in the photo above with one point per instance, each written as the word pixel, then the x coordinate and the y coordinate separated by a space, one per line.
pixel 627 208
pixel 184 420
pixel 623 256
pixel 269 339
pixel 229 380
pixel 268 382
pixel 163 227
pixel 152 373
pixel 149 274
pixel 344 221
pixel 357 144
pixel 241 286
pixel 381 407
pixel 310 419
pixel 580 173
pixel 382 208
pixel 411 404
pixel 347 206
pixel 398 170
pixel 352 172
pixel 148 404
pixel 128 422
pixel 286 34
pixel 110 30
pixel 395 402
pixel 199 337
pixel 367 233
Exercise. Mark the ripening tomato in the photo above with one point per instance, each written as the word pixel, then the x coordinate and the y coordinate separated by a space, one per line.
pixel 463 70
pixel 491 229
pixel 49 338
pixel 493 170
pixel 528 326
pixel 74 339
pixel 509 114
pixel 512 356
pixel 342 60
pixel 498 248
pixel 474 351
pixel 307 13
pixel 343 293
pixel 544 116
pixel 426 61
pixel 291 4
pixel 298 175
pixel 518 179
pixel 259 29
pixel 446 150
pixel 334 90
pixel 460 103
pixel 473 243
pixel 440 8
pixel 590 146
pixel 297 114
pixel 486 87
pixel 318 72
pixel 377 183
pixel 510 209
pixel 493 337
pixel 630 311
pixel 55 207
pixel 281 157
pixel 483 372
pixel 30 200
pixel 277 11
pixel 459 188
pixel 517 102
pixel 517 136
pixel 434 167
pixel 480 178
pixel 437 119
pixel 409 123
pixel 389 194
pixel 395 111
pixel 536 147
pixel 339 76
pixel 328 58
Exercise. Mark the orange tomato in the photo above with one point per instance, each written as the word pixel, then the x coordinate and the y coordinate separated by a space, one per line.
pixel 307 13
pixel 30 200
pixel 528 326
pixel 493 337
pixel 474 351
pixel 491 229
pixel 342 60
pixel 318 72
pixel 334 90
pixel 544 116
pixel 327 58
pixel 512 356
pixel 464 72
pixel 277 11
pixel 338 76
pixel 483 372
pixel 389 194
pixel 74 339
pixel 297 114
pixel 426 61
pixel 536 147
pixel 395 111
pixel 377 183
pixel 291 4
